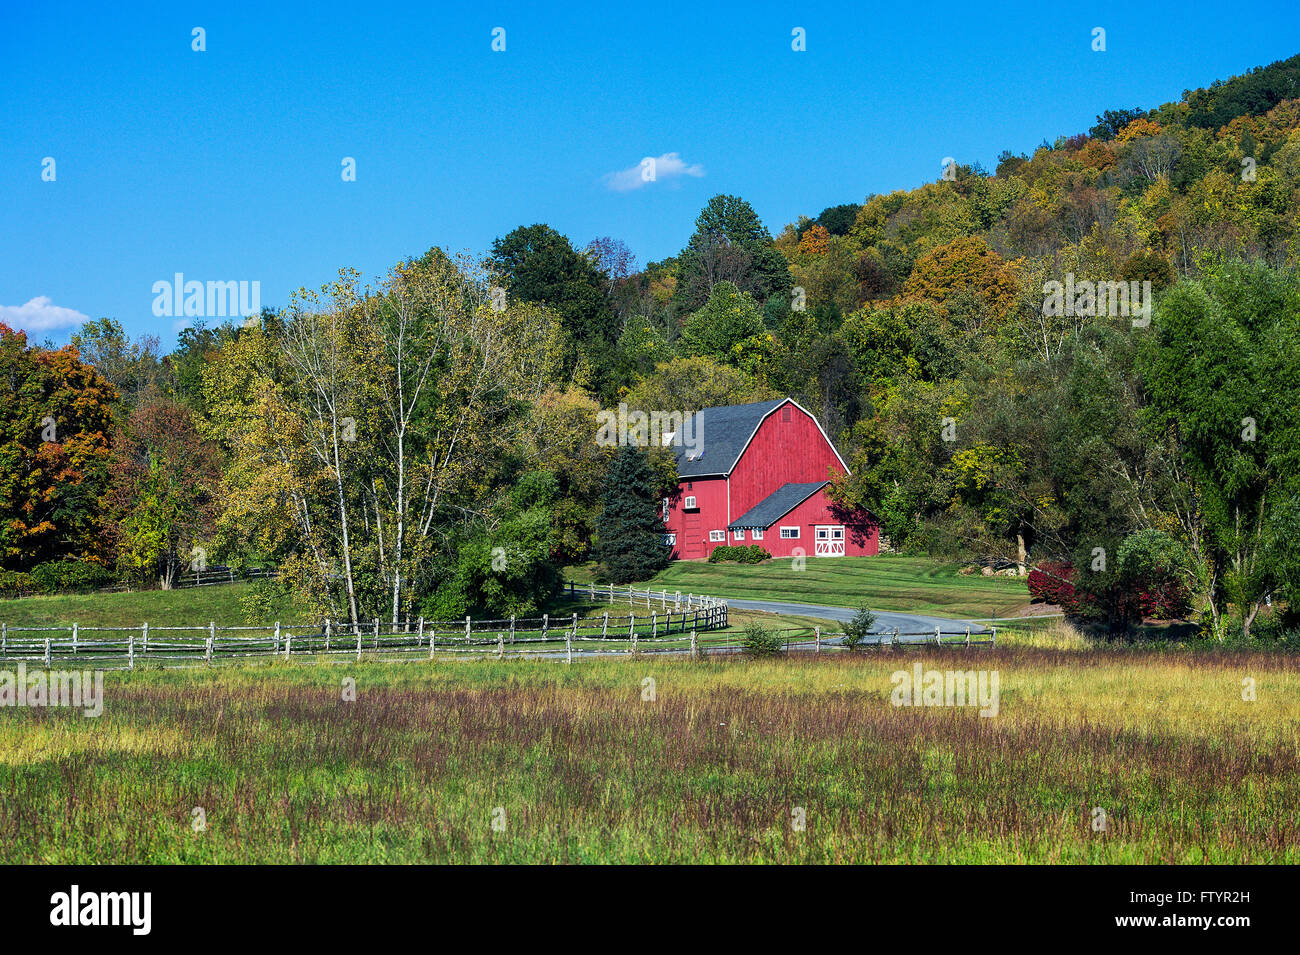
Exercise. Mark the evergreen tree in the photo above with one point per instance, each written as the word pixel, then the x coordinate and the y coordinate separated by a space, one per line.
pixel 629 529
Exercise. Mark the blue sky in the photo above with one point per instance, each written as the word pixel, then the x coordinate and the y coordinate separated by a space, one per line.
pixel 225 164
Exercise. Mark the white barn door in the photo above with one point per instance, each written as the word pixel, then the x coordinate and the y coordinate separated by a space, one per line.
pixel 829 540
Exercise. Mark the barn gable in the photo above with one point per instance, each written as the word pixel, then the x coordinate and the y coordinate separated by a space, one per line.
pixel 724 434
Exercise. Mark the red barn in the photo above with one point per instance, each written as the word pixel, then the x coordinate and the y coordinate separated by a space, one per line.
pixel 758 473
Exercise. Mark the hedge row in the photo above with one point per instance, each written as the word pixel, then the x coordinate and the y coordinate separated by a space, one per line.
pixel 753 554
pixel 56 577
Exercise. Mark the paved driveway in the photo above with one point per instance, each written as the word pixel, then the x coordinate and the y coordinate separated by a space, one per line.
pixel 886 620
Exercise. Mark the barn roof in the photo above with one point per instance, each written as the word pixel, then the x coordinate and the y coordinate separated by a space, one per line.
pixel 776 505
pixel 723 433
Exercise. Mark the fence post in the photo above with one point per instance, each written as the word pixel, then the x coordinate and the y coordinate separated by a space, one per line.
pixel 145 636
pixel 631 625
pixel 695 651
pixel 433 639
pixel 604 627
pixel 568 641
pixel 994 639
pixel 212 637
pixel 277 636
pixel 591 586
pixel 654 625
pixel 895 636
pixel 47 653
pixel 4 639
pixel 130 651
pixel 936 635
pixel 678 600
pixel 575 625
pixel 288 643
pixel 512 628
pixel 546 625
pixel 74 639
pixel 419 636
pixel 817 639
pixel 376 634
pixel 501 645
pixel 611 591
pixel 358 644
pixel 968 636
pixel 467 631
pixel 327 634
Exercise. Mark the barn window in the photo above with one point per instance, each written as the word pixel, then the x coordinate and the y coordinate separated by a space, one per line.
pixel 689 504
pixel 758 534
pixel 789 533
pixel 666 505
pixel 738 534
pixel 670 539
pixel 785 413
pixel 717 536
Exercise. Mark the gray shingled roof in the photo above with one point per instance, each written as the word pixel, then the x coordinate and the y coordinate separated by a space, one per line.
pixel 721 434
pixel 776 505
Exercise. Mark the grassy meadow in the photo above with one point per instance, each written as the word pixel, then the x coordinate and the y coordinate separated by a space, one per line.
pixel 161 608
pixel 887 582
pixel 575 766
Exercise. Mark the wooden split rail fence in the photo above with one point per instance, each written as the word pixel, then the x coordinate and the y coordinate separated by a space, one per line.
pixel 670 621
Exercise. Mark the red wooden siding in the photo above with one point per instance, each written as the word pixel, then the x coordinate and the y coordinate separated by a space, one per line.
pixel 787 448
pixel 782 452
pixel 692 527
pixel 861 537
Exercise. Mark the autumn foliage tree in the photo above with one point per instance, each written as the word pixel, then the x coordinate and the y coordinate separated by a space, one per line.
pixel 56 422
pixel 165 478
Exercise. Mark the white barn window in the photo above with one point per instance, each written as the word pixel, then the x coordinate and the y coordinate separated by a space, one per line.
pixel 789 533
pixel 689 503
pixel 717 536
pixel 757 534
pixel 738 534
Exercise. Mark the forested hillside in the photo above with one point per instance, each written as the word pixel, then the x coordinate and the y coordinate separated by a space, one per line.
pixel 427 443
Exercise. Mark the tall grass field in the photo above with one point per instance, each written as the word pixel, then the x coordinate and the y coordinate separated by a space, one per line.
pixel 1115 756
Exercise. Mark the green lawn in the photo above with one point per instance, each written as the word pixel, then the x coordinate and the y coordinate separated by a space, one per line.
pixel 888 582
pixel 162 608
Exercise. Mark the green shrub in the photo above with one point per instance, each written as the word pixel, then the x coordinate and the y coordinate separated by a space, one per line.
pixel 753 554
pixel 14 583
pixel 71 576
pixel 759 641
pixel 859 628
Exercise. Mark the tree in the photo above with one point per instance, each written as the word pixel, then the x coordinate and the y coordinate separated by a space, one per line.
pixel 131 367
pixel 381 420
pixel 723 325
pixel 1220 370
pixel 859 628
pixel 1110 122
pixel 689 384
pixel 630 528
pixel 730 244
pixel 965 264
pixel 56 422
pixel 539 265
pixel 165 478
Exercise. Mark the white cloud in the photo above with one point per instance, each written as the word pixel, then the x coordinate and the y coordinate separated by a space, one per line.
pixel 40 315
pixel 650 170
